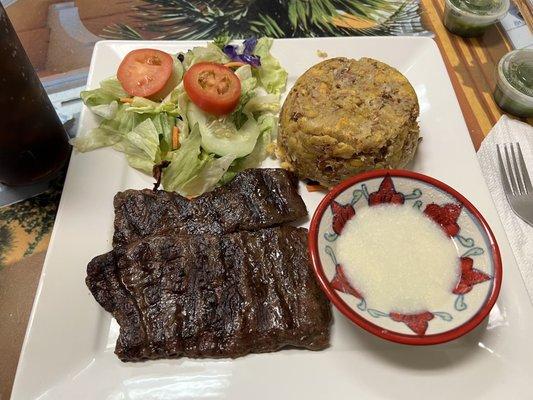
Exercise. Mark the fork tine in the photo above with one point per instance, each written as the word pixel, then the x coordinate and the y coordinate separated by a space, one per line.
pixel 521 187
pixel 523 169
pixel 503 174
pixel 510 171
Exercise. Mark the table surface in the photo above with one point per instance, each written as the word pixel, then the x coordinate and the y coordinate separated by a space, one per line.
pixel 25 227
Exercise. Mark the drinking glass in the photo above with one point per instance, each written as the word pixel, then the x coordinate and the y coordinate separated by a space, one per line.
pixel 33 142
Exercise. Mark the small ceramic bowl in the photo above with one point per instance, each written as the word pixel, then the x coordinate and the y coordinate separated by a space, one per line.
pixel 481 269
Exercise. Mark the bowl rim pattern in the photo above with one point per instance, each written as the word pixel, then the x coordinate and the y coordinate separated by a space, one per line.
pixel 362 322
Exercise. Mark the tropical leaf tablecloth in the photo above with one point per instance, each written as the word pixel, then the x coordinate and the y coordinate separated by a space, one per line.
pixel 25 227
pixel 182 19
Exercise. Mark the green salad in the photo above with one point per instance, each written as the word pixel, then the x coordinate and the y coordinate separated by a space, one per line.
pixel 197 147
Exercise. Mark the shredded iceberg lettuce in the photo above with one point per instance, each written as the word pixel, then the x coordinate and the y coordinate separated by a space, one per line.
pixel 185 163
pixel 209 53
pixel 208 177
pixel 271 74
pixel 141 146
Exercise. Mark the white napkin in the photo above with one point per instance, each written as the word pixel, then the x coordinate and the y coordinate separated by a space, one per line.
pixel 519 233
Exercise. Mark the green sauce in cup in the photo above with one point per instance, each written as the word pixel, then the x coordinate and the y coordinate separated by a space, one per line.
pixel 520 75
pixel 514 83
pixel 472 17
pixel 480 7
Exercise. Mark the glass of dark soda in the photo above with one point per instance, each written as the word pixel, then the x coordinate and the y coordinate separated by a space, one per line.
pixel 33 143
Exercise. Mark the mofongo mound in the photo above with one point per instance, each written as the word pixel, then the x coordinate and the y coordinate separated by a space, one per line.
pixel 346 116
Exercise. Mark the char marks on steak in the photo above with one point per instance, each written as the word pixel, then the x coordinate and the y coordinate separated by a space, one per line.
pixel 212 295
pixel 255 199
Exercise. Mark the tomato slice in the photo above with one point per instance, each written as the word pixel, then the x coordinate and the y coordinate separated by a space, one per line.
pixel 146 73
pixel 213 87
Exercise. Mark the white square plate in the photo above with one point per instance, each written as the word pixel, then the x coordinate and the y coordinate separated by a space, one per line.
pixel 68 349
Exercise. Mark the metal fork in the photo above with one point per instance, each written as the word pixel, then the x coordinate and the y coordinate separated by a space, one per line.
pixel 516 181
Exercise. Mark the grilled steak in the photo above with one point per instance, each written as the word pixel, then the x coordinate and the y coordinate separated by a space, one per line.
pixel 212 295
pixel 255 199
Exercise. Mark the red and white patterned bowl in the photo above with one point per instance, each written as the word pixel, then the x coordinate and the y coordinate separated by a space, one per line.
pixel 481 268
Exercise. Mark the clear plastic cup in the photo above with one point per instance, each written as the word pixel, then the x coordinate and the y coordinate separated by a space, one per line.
pixel 514 83
pixel 470 18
